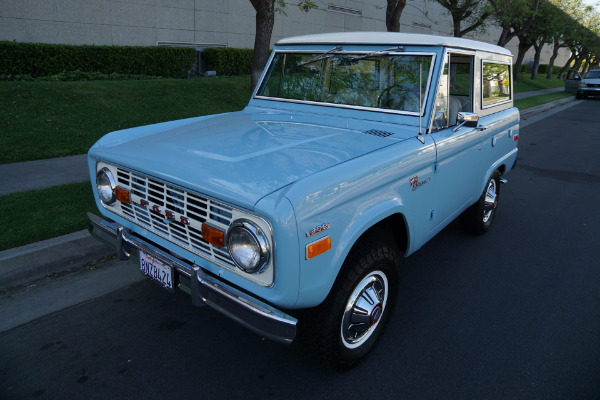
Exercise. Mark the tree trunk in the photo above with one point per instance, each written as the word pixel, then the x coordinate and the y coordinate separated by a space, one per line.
pixel 536 60
pixel 393 13
pixel 587 64
pixel 265 18
pixel 523 47
pixel 566 68
pixel 552 59
pixel 504 37
pixel 579 60
pixel 456 24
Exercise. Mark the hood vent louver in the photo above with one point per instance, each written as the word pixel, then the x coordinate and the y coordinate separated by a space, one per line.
pixel 379 133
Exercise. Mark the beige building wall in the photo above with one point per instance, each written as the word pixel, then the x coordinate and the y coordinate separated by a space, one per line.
pixel 224 22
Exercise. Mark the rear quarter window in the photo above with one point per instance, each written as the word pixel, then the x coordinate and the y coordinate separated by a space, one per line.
pixel 495 83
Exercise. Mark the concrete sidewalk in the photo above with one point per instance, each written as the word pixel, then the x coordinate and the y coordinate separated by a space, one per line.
pixel 27 263
pixel 40 174
pixel 524 95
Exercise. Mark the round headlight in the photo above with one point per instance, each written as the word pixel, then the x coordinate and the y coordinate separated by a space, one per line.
pixel 248 246
pixel 105 185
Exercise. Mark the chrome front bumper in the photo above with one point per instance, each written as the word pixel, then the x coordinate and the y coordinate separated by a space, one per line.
pixel 589 91
pixel 204 289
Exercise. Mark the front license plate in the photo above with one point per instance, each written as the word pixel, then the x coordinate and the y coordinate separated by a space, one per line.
pixel 157 270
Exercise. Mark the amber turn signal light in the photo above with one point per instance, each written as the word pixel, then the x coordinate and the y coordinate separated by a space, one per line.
pixel 213 236
pixel 319 247
pixel 122 195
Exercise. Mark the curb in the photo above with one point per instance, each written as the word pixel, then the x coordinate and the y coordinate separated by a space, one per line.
pixel 528 112
pixel 33 261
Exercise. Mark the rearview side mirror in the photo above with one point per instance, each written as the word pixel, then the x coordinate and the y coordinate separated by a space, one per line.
pixel 469 120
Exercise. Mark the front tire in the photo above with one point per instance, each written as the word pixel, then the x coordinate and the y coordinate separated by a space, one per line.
pixel 350 321
pixel 478 218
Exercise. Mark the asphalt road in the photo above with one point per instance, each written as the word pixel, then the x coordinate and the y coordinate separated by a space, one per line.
pixel 514 314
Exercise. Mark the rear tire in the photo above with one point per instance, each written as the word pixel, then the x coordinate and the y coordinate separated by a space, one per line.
pixel 478 218
pixel 346 326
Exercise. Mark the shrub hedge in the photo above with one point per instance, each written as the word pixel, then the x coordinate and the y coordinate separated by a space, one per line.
pixel 41 59
pixel 543 68
pixel 228 61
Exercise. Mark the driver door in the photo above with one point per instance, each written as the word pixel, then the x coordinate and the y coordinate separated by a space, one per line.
pixel 572 81
pixel 458 172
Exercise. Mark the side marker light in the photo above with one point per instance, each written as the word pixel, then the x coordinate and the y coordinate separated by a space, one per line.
pixel 319 247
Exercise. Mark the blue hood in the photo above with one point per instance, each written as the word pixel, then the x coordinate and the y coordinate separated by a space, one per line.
pixel 238 157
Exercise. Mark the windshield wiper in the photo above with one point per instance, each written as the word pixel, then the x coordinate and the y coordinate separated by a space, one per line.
pixel 325 55
pixel 377 53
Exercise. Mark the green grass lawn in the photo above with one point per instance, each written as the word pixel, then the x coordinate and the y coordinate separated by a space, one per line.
pixel 36 215
pixel 541 99
pixel 41 120
pixel 525 84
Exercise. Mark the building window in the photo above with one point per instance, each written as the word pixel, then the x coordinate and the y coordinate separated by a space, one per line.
pixel 344 10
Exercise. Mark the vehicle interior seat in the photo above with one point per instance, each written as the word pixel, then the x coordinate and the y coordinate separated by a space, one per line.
pixel 454 108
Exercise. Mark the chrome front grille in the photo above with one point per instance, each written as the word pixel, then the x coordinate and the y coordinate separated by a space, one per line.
pixel 174 214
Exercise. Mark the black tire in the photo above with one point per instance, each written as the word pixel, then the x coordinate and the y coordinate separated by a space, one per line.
pixel 478 218
pixel 579 96
pixel 346 326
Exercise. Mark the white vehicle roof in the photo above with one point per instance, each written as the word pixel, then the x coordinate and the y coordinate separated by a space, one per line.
pixel 393 38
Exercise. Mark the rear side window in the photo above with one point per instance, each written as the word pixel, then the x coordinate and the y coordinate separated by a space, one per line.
pixel 495 85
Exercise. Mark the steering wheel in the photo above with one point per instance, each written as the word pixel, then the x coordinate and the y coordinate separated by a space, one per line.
pixel 404 99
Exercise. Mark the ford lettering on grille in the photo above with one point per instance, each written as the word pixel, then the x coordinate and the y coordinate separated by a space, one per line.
pixel 175 214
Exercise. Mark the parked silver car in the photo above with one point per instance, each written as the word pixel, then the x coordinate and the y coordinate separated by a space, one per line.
pixel 587 86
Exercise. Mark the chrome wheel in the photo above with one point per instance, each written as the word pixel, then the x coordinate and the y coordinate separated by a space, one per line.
pixel 364 309
pixel 478 218
pixel 491 200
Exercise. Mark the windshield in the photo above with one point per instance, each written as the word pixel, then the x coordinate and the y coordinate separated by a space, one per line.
pixel 595 74
pixel 375 80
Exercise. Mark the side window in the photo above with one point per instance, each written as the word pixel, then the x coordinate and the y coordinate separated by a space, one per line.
pixel 573 75
pixel 570 74
pixel 455 91
pixel 495 85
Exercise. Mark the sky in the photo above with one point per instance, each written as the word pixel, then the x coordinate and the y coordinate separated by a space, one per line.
pixel 593 3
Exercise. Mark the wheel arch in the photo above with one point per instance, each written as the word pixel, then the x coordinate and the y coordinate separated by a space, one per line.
pixel 393 227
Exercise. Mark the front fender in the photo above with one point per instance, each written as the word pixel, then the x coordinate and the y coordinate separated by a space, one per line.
pixel 349 199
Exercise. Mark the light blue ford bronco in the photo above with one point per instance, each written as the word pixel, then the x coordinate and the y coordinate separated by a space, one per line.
pixel 354 150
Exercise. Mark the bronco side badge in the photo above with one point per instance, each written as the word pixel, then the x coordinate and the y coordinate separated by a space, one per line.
pixel 415 183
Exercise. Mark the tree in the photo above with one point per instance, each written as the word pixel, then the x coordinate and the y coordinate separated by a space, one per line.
pixel 472 12
pixel 265 18
pixel 562 24
pixel 513 16
pixel 582 35
pixel 393 12
pixel 525 43
pixel 541 31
